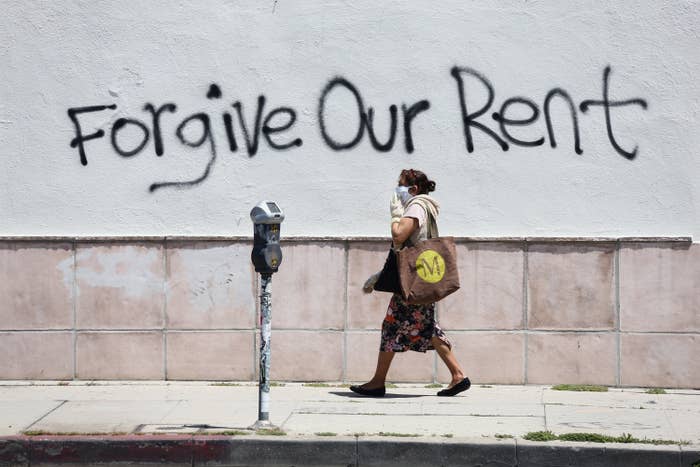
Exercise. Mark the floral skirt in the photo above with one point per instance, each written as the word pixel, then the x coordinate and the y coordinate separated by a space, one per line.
pixel 409 327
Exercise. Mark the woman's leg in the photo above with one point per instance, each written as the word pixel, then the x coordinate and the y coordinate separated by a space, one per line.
pixel 449 358
pixel 379 379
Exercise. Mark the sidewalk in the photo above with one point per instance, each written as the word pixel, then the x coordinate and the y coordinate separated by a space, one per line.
pixel 410 416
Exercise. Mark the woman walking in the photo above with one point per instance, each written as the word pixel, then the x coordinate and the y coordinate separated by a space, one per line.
pixel 411 327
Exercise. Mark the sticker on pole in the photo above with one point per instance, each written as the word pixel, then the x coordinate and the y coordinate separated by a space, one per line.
pixel 430 266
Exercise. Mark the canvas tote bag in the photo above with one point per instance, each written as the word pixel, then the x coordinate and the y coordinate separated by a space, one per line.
pixel 428 269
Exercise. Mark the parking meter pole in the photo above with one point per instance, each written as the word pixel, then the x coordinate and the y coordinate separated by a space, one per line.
pixel 266 257
pixel 265 331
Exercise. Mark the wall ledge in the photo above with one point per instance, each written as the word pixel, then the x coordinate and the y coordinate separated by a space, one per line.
pixel 222 238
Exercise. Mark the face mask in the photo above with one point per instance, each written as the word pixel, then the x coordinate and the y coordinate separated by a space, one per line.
pixel 403 194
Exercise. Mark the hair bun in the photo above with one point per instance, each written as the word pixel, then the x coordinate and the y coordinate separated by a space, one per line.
pixel 431 186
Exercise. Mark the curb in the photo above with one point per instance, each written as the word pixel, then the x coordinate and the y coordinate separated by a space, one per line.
pixel 188 450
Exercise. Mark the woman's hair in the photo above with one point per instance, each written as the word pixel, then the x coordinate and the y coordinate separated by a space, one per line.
pixel 418 178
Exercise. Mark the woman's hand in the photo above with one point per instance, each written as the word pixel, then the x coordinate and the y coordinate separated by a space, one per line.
pixel 395 208
pixel 402 230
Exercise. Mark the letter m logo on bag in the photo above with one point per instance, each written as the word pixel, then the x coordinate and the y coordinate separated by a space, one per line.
pixel 428 270
pixel 430 266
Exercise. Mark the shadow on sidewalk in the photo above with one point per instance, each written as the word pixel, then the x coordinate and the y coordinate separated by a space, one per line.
pixel 386 396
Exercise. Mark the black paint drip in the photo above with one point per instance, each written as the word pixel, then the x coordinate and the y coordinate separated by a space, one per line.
pixel 214 92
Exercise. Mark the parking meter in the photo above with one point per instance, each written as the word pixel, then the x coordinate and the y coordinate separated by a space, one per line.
pixel 266 257
pixel 267 254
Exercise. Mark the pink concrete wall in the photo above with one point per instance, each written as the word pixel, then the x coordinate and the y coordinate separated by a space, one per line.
pixel 604 311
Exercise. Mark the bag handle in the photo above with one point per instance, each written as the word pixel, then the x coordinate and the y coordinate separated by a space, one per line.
pixel 432 226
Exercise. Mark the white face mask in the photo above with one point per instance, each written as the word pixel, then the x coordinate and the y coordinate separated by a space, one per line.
pixel 403 194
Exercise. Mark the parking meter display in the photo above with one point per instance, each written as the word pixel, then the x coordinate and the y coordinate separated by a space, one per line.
pixel 267 254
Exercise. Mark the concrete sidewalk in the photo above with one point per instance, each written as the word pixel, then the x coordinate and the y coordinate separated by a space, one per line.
pixel 410 418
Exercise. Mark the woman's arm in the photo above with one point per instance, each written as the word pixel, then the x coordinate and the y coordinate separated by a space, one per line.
pixel 402 230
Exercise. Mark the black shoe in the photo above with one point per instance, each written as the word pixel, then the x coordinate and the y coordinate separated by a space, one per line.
pixel 456 389
pixel 378 392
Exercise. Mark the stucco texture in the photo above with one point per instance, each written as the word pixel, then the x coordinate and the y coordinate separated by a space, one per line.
pixel 103 76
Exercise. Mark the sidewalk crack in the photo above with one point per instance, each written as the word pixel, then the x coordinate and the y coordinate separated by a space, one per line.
pixel 44 416
pixel 292 412
pixel 167 414
pixel 676 435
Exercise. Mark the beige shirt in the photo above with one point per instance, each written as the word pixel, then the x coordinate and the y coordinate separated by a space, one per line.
pixel 417 212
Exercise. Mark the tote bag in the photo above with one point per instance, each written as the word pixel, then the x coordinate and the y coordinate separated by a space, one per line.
pixel 428 270
pixel 388 280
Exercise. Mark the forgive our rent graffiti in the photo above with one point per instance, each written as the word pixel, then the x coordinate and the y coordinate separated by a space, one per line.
pixel 273 126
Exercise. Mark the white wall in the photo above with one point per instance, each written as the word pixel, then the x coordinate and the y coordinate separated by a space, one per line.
pixel 71 54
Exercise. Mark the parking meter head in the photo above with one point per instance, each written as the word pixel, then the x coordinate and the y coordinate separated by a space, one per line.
pixel 267 254
pixel 266 212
